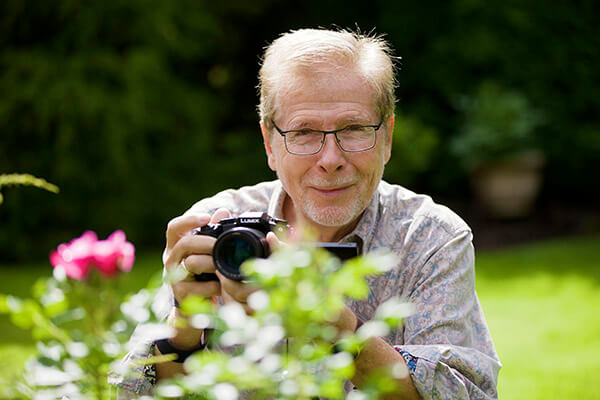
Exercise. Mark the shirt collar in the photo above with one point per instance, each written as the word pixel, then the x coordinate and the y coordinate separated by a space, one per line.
pixel 275 208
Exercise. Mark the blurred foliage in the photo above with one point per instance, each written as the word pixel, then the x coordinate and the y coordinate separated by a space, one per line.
pixel 136 109
pixel 497 123
pixel 413 148
pixel 77 342
pixel 113 102
pixel 547 53
pixel 284 348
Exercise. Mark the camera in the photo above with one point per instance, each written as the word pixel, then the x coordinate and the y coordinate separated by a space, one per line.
pixel 243 238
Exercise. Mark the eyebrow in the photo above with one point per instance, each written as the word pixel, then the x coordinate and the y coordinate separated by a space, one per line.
pixel 340 124
pixel 304 125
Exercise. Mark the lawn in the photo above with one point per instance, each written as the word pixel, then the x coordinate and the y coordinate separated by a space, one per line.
pixel 541 302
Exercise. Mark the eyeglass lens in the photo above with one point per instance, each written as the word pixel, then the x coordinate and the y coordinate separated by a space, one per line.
pixel 353 138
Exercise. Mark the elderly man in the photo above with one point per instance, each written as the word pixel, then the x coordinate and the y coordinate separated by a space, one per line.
pixel 327 117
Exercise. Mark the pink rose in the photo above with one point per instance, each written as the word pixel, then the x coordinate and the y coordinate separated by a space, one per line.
pixel 110 256
pixel 114 254
pixel 75 256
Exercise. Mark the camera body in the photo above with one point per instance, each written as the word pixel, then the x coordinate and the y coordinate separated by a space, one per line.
pixel 244 237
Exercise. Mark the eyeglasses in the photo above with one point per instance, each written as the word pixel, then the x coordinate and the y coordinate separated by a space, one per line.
pixel 352 138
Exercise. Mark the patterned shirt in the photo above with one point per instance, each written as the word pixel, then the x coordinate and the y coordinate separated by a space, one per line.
pixel 446 342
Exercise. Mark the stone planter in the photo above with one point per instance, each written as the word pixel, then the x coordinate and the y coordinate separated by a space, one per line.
pixel 508 188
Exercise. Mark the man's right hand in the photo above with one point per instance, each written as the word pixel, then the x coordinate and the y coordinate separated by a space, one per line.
pixel 194 253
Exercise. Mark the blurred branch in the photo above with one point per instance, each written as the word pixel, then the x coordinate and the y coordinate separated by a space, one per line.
pixel 25 180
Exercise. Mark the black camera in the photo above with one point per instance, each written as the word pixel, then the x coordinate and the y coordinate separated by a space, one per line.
pixel 242 238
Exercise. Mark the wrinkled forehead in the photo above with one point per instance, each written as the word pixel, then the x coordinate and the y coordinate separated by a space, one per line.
pixel 322 84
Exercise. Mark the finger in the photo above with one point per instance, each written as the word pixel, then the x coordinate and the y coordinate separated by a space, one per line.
pixel 347 321
pixel 191 244
pixel 220 214
pixel 239 291
pixel 180 226
pixel 186 246
pixel 274 242
pixel 294 234
pixel 227 299
pixel 183 289
pixel 199 263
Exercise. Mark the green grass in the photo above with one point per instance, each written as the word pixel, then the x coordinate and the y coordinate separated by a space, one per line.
pixel 541 302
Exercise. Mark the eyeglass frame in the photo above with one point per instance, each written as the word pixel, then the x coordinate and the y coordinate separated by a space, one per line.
pixel 325 133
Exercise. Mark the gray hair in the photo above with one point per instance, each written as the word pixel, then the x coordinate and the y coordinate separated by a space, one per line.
pixel 310 49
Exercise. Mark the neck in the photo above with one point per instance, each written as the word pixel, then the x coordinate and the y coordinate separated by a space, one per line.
pixel 298 221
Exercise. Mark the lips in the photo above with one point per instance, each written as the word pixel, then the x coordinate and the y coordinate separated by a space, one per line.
pixel 330 192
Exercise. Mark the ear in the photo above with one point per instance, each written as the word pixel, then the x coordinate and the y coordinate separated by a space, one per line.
pixel 389 138
pixel 268 148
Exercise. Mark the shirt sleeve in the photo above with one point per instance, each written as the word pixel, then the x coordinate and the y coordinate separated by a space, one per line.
pixel 131 380
pixel 447 344
pixel 134 381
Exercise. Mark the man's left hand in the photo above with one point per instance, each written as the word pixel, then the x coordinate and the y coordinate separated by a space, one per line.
pixel 234 291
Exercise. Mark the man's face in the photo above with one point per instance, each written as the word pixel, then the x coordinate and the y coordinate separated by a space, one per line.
pixel 331 188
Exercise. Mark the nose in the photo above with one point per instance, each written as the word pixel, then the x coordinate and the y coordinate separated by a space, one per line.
pixel 331 157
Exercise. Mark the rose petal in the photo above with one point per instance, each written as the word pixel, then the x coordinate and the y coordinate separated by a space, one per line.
pixel 75 256
pixel 75 270
pixel 106 257
pixel 55 258
pixel 117 237
pixel 81 248
pixel 128 256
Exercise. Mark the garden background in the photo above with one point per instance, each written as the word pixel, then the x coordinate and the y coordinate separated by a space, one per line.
pixel 138 108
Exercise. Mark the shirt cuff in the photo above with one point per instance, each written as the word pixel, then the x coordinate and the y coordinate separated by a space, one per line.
pixel 411 361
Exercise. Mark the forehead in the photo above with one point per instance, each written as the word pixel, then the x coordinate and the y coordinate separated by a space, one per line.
pixel 330 96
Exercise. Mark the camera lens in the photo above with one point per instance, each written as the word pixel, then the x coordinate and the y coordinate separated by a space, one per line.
pixel 236 246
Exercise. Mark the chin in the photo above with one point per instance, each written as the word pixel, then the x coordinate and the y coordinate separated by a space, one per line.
pixel 331 216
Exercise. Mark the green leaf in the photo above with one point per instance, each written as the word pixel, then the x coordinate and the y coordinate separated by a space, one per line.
pixel 332 389
pixel 393 311
pixel 41 332
pixel 25 317
pixel 13 304
pixel 196 305
pixel 346 282
pixel 39 288
pixel 4 308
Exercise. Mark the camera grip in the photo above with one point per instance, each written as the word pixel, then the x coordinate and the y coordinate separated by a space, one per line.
pixel 208 230
pixel 206 277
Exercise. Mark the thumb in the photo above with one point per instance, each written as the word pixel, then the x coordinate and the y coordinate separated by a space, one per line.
pixel 274 242
pixel 221 213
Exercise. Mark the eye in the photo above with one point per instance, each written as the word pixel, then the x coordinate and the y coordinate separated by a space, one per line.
pixel 356 131
pixel 303 132
pixel 303 136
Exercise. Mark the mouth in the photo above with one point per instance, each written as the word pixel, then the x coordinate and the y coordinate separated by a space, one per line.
pixel 331 191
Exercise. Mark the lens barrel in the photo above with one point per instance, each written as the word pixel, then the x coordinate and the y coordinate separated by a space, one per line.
pixel 235 246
